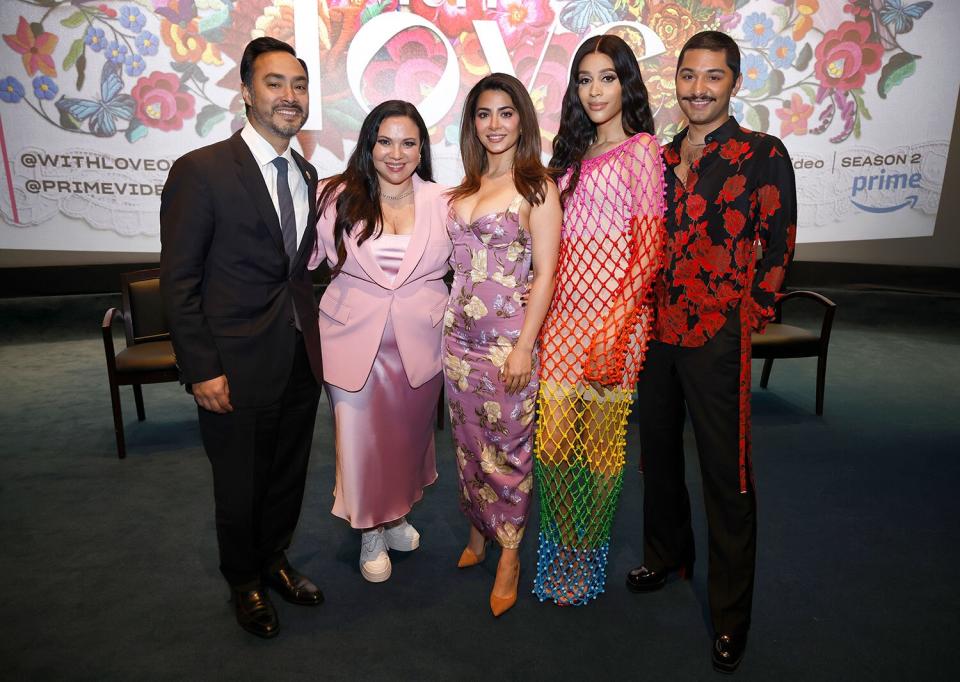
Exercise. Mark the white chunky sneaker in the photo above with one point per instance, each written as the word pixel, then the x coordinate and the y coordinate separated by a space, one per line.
pixel 402 537
pixel 374 560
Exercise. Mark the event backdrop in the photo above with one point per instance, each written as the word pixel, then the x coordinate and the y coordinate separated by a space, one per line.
pixel 98 98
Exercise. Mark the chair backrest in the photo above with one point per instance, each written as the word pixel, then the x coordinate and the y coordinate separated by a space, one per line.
pixel 143 318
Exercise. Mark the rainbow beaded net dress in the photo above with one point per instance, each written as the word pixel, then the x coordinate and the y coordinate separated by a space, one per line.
pixel 592 348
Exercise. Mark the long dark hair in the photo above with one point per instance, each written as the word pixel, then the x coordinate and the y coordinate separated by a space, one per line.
pixel 529 174
pixel 577 132
pixel 359 202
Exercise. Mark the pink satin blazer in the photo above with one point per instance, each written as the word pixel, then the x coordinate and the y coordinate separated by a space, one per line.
pixel 355 306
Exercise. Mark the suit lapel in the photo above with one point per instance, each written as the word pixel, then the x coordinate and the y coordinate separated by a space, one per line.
pixel 252 179
pixel 310 234
pixel 422 224
pixel 365 258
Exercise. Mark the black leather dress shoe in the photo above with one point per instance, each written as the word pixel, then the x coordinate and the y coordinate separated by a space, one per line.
pixel 642 579
pixel 255 612
pixel 728 652
pixel 294 587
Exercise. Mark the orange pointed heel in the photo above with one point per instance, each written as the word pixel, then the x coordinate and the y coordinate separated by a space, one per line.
pixel 500 605
pixel 468 558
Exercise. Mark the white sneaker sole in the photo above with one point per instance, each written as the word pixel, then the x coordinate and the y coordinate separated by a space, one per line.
pixel 406 546
pixel 373 577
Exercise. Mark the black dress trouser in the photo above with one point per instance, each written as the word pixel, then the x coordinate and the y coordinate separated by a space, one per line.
pixel 706 381
pixel 259 457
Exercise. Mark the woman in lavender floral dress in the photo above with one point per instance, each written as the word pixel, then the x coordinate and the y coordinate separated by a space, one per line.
pixel 504 218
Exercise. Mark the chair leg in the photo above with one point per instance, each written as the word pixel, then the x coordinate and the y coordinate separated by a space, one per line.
pixel 821 380
pixel 117 421
pixel 138 398
pixel 765 374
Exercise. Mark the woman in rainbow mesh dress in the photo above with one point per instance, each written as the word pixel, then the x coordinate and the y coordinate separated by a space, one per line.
pixel 594 337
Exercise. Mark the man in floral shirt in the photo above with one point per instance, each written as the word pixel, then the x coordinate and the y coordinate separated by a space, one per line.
pixel 729 190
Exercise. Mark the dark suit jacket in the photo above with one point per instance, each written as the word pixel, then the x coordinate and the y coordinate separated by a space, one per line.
pixel 228 288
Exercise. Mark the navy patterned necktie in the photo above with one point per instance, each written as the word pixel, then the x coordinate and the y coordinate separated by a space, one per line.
pixel 288 217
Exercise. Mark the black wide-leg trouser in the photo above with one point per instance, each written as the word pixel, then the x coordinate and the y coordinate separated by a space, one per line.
pixel 706 381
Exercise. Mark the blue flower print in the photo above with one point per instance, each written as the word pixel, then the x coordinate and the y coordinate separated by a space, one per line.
pixel 11 90
pixel 782 52
pixel 758 29
pixel 116 52
pixel 736 108
pixel 147 43
pixel 134 64
pixel 755 72
pixel 132 18
pixel 94 38
pixel 44 87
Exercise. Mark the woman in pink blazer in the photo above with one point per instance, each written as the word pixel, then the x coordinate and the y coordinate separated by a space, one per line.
pixel 382 231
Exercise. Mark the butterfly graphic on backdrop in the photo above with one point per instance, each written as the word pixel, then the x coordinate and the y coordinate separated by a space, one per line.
pixel 178 12
pixel 902 16
pixel 102 115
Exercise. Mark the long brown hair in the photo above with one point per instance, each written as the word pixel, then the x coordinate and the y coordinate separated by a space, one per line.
pixel 359 202
pixel 529 174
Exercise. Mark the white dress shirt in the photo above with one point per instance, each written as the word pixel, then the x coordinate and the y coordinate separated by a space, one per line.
pixel 264 153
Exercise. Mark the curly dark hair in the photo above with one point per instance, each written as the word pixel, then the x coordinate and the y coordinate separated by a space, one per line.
pixel 577 132
pixel 359 202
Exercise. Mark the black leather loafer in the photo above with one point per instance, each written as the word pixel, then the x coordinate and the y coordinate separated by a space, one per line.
pixel 255 612
pixel 642 579
pixel 294 587
pixel 728 652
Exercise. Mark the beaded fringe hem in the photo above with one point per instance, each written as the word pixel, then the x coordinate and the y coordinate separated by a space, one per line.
pixel 569 576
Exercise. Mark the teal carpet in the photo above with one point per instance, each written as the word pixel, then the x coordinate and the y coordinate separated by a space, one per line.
pixel 109 568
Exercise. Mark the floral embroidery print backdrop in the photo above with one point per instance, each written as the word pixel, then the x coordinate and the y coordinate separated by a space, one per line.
pixel 98 98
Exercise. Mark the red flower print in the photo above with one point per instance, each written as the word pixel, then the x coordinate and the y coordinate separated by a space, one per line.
pixel 773 279
pixel 734 150
pixel 732 188
pixel 845 57
pixel 733 221
pixel 37 50
pixel 160 102
pixel 696 205
pixel 769 200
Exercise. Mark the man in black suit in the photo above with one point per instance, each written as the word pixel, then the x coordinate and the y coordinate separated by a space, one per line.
pixel 237 229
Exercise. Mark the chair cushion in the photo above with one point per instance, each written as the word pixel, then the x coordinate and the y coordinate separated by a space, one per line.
pixel 147 357
pixel 784 340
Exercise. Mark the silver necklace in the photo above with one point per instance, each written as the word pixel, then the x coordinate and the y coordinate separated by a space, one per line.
pixel 394 197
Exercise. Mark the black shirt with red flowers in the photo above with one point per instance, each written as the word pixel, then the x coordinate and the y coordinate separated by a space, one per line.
pixel 741 192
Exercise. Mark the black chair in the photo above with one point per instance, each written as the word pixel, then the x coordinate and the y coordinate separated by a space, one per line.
pixel 148 357
pixel 786 341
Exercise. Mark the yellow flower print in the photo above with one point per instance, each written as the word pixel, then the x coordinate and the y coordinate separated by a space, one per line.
pixel 509 535
pixel 478 266
pixel 493 460
pixel 526 412
pixel 492 410
pixel 457 370
pixel 498 353
pixel 475 308
pixel 526 485
pixel 487 494
pixel 508 281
